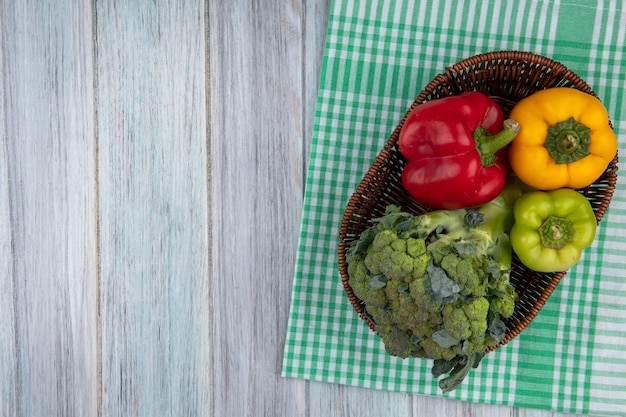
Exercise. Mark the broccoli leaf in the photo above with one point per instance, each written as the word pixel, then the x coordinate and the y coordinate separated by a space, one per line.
pixel 500 286
pixel 364 242
pixel 442 366
pixel 457 375
pixel 466 248
pixel 476 358
pixel 493 269
pixel 443 339
pixel 405 225
pixel 441 288
pixel 378 282
pixel 459 372
pixel 393 216
pixel 497 329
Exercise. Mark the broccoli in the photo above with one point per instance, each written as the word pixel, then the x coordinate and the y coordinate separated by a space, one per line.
pixel 397 258
pixel 436 285
pixel 463 320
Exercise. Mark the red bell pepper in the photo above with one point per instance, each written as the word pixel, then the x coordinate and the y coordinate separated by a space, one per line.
pixel 455 151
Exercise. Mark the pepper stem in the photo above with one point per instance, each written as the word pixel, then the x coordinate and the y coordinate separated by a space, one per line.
pixel 488 144
pixel 568 141
pixel 556 232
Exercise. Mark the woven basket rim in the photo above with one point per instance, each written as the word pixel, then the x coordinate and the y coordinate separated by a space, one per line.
pixel 454 80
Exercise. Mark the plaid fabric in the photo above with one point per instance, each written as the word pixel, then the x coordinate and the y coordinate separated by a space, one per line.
pixel 379 55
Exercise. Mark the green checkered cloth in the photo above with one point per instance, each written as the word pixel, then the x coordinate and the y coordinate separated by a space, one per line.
pixel 378 57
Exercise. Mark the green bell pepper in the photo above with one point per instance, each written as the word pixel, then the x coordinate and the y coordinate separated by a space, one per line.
pixel 552 229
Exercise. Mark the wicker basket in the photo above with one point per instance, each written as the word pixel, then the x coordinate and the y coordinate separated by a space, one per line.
pixel 507 77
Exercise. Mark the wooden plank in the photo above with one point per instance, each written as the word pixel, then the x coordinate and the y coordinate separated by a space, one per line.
pixel 152 133
pixel 8 341
pixel 315 26
pixel 48 266
pixel 530 412
pixel 425 406
pixel 255 55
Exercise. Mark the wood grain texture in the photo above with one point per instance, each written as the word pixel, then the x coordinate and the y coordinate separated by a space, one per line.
pixel 315 17
pixel 8 334
pixel 531 412
pixel 152 172
pixel 255 56
pixel 47 223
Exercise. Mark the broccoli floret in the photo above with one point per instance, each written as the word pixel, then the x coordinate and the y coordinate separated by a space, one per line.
pixel 436 285
pixel 417 322
pixel 359 282
pixel 396 290
pixel 398 342
pixel 396 258
pixel 405 312
pixel 433 350
pixel 455 322
pixel 464 320
pixel 503 295
pixel 423 299
pixel 467 271
pixel 476 310
pixel 504 306
pixel 474 345
pixel 380 315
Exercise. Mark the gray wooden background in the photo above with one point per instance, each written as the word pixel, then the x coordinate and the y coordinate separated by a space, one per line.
pixel 152 162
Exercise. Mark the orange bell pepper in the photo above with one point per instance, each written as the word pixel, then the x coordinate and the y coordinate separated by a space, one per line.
pixel 565 139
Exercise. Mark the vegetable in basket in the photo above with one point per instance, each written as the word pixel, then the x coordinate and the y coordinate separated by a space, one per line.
pixel 565 139
pixel 552 228
pixel 455 151
pixel 437 285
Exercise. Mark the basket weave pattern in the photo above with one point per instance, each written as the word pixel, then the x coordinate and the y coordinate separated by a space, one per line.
pixel 507 77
